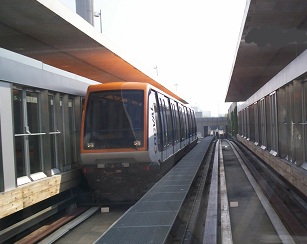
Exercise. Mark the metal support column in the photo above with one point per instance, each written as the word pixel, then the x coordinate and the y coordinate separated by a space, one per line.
pixel 7 136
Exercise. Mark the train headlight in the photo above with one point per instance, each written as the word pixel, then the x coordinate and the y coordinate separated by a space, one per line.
pixel 90 145
pixel 137 143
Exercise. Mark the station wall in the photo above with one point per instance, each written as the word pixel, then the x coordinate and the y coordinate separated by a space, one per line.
pixel 40 113
pixel 277 122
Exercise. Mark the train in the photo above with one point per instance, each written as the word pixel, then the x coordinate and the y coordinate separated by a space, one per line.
pixel 132 134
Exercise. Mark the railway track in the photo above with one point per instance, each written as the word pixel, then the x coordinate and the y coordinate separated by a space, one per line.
pixel 189 226
pixel 184 229
pixel 289 204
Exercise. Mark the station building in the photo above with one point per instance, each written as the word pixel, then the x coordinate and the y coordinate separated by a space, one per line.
pixel 269 89
pixel 49 55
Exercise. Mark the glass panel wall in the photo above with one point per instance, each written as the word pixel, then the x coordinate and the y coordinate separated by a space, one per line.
pixel 298 150
pixel 252 122
pixel 289 108
pixel 257 130
pixel 278 122
pixel 1 162
pixel 53 132
pixel 33 127
pixel 19 133
pixel 27 132
pixel 46 132
pixel 72 133
pixel 305 120
pixel 282 122
pixel 263 123
pixel 273 120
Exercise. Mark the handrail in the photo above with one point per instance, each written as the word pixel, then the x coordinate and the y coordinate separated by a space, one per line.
pixel 54 132
pixel 31 134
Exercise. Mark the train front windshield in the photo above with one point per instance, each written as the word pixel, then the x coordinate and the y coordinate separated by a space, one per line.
pixel 114 119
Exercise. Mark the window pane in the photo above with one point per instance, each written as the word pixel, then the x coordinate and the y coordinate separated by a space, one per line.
pixel 114 119
pixel 34 140
pixel 52 129
pixel 19 129
pixel 72 132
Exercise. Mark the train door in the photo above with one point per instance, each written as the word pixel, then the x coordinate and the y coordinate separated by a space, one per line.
pixel 155 142
pixel 166 139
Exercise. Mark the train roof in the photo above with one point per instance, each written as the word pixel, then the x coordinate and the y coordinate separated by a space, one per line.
pixel 125 85
pixel 47 31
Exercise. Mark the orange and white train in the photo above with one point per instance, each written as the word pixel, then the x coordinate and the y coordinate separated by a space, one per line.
pixel 130 133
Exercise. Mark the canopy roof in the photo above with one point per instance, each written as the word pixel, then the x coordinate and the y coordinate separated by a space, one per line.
pixel 48 31
pixel 273 35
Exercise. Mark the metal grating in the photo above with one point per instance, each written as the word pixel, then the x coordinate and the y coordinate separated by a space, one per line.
pixel 136 235
pixel 154 207
pixel 151 219
pixel 169 182
pixel 172 188
pixel 164 196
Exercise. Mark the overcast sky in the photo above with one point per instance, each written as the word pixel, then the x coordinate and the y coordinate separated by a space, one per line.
pixel 191 42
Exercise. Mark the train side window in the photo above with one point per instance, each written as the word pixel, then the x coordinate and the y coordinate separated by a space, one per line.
pixel 175 124
pixel 189 122
pixel 185 118
pixel 170 135
pixel 164 117
pixel 163 129
pixel 175 120
pixel 159 123
pixel 182 122
pixel 194 121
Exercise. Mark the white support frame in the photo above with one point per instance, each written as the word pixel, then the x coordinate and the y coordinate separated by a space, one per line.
pixel 7 136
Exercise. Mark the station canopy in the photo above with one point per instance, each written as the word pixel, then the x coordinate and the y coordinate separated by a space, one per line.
pixel 273 35
pixel 47 31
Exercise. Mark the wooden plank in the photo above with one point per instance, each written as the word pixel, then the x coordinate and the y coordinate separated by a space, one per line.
pixel 34 192
pixel 10 197
pixel 11 208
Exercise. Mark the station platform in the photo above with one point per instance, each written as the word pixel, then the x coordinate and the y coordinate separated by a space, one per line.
pixel 150 220
pixel 237 210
